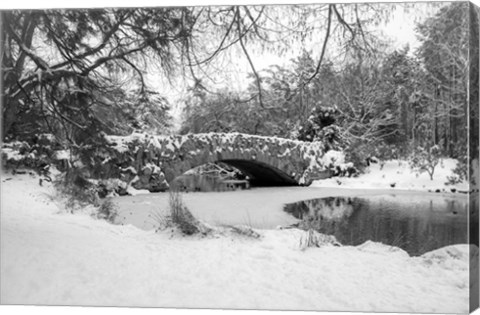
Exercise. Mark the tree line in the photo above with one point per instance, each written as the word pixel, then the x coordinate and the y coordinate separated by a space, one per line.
pixel 376 103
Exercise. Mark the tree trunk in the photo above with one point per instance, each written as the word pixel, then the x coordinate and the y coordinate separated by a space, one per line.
pixel 435 132
pixel 10 79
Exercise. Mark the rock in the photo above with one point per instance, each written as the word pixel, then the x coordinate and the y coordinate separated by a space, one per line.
pixel 147 171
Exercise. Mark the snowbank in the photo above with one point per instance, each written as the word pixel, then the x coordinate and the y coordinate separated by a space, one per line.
pixel 49 257
pixel 397 174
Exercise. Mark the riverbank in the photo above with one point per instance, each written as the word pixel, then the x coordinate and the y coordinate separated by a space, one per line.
pixel 398 175
pixel 50 257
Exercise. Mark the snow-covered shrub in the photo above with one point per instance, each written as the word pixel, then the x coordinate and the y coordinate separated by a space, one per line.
pixel 331 136
pixel 320 126
pixel 333 158
pixel 111 187
pixel 460 172
pixel 78 190
pixel 335 162
pixel 346 169
pixel 425 159
pixel 385 151
pixel 453 179
pixel 107 210
pixel 359 153
pixel 37 153
pixel 79 165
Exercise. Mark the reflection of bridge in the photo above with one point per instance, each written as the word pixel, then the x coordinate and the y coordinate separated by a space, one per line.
pixel 268 161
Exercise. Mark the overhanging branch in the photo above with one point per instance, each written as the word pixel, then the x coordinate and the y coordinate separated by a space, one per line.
pixel 257 77
pixel 324 47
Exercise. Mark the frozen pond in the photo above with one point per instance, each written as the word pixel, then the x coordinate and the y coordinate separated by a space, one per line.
pixel 261 208
pixel 415 223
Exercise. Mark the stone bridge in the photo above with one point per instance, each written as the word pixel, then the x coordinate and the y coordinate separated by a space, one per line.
pixel 151 162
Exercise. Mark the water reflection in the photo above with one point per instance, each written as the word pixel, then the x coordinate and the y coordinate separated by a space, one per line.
pixel 417 224
pixel 205 183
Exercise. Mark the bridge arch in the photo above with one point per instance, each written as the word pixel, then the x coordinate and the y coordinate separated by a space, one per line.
pixel 268 161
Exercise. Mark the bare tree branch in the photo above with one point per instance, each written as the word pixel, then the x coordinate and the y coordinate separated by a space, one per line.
pixel 342 21
pixel 42 64
pixel 324 47
pixel 258 80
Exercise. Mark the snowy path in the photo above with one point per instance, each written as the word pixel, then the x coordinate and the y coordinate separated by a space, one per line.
pixel 49 257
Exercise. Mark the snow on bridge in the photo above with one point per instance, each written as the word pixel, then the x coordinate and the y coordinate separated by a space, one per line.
pixel 151 162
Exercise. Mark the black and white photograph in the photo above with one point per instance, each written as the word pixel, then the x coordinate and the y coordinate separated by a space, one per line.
pixel 283 156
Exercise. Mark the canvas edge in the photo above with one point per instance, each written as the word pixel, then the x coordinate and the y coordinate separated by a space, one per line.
pixel 473 102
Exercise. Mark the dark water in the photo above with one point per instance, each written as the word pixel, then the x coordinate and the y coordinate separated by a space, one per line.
pixel 205 183
pixel 417 224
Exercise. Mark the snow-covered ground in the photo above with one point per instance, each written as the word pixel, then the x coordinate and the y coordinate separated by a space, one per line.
pixel 398 174
pixel 51 257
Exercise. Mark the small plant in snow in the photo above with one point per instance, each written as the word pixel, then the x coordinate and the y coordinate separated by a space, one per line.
pixel 425 160
pixel 245 230
pixel 382 164
pixel 182 218
pixel 312 238
pixel 158 219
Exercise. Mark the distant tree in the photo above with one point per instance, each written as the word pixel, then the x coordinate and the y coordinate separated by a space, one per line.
pixel 361 93
pixel 406 99
pixel 426 159
pixel 365 118
pixel 289 100
pixel 444 53
pixel 286 105
pixel 222 111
